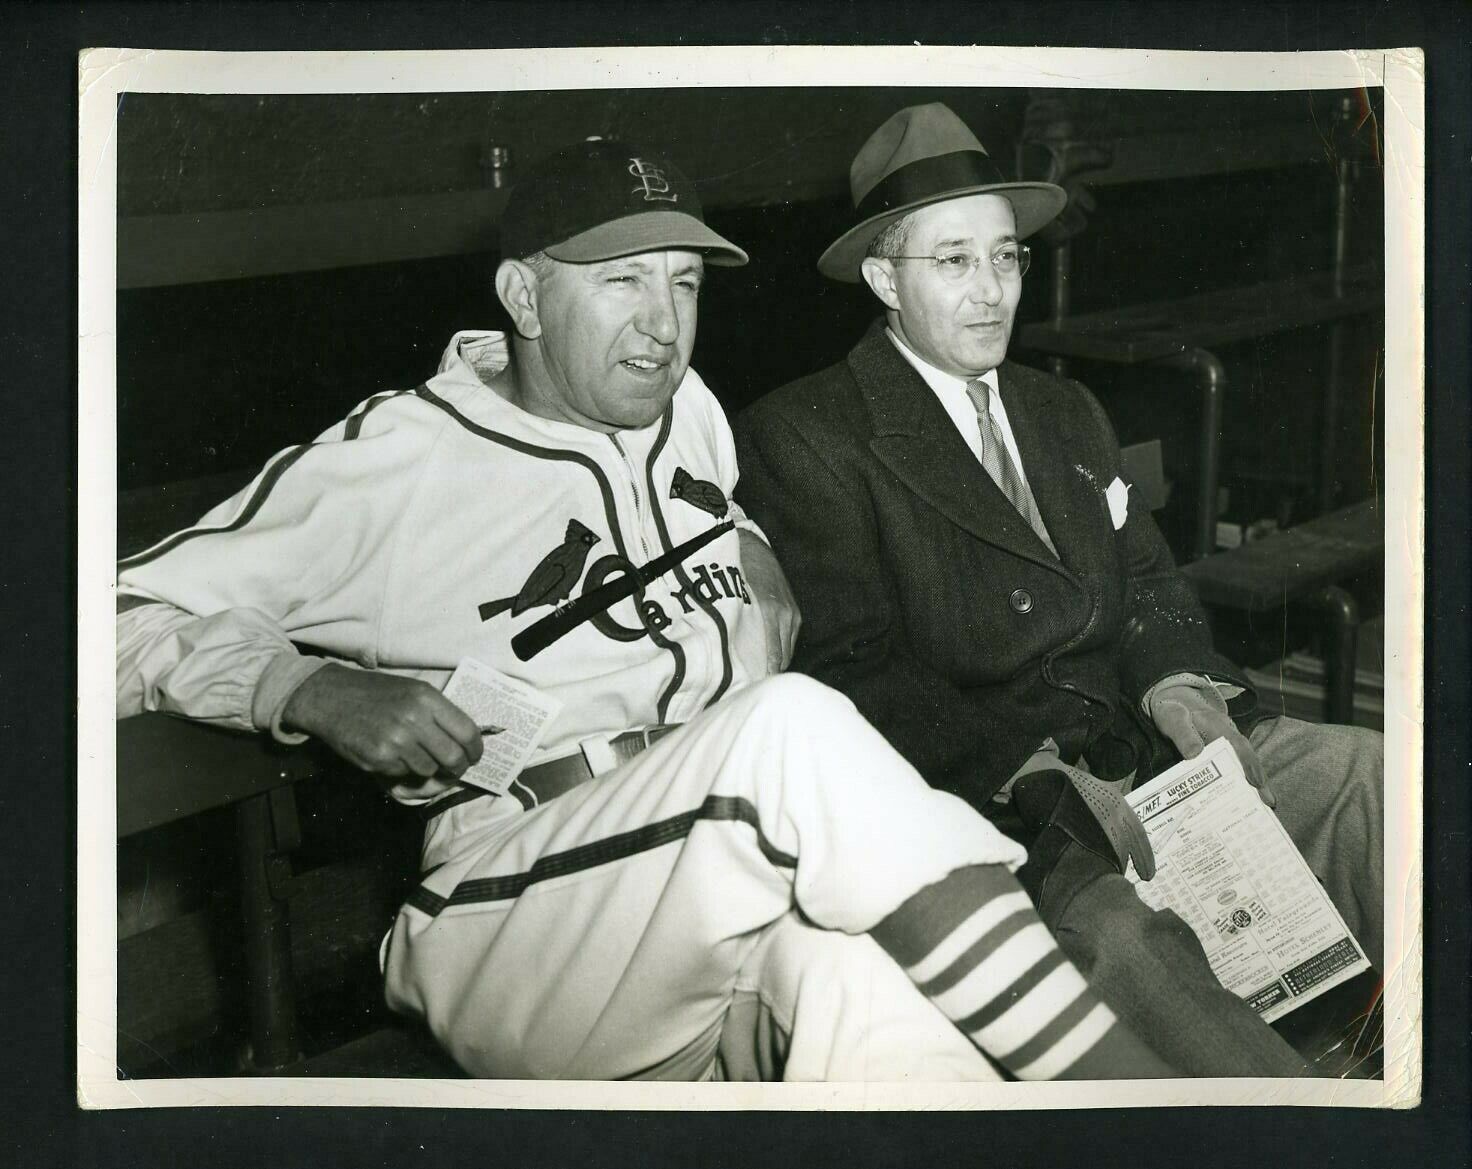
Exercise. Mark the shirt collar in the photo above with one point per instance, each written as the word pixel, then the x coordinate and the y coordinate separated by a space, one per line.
pixel 482 353
pixel 944 384
pixel 474 357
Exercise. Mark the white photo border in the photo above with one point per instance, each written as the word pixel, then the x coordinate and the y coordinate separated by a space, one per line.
pixel 104 74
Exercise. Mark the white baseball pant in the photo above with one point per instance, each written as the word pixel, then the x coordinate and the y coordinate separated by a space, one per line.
pixel 605 934
pixel 819 1005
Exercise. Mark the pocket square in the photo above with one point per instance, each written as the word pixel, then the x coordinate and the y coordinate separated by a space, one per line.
pixel 1118 497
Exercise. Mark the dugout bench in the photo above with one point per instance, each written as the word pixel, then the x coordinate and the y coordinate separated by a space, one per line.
pixel 246 968
pixel 1309 565
pixel 171 769
pixel 173 772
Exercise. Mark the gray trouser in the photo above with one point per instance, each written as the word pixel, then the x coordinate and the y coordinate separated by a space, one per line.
pixel 1148 965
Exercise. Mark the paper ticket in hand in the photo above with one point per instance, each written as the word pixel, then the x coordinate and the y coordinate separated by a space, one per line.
pixel 494 699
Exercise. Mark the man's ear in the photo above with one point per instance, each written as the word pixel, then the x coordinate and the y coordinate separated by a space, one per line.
pixel 879 276
pixel 516 286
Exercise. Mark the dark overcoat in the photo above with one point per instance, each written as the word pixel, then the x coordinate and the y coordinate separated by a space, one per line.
pixel 929 601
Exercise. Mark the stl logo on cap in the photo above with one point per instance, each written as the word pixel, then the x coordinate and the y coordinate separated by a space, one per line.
pixel 656 186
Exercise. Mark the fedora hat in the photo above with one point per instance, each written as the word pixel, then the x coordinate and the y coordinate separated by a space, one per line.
pixel 922 155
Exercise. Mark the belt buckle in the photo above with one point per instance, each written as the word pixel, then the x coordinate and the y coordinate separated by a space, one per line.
pixel 603 753
pixel 600 754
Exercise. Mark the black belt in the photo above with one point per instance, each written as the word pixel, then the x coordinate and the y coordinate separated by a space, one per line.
pixel 546 781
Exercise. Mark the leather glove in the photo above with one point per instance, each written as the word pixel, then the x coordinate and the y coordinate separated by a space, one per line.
pixel 1090 811
pixel 1190 717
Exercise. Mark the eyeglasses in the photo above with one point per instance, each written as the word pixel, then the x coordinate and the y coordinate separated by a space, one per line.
pixel 961 265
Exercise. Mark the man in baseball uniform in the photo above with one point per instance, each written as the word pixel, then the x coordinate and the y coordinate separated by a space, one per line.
pixel 974 576
pixel 706 868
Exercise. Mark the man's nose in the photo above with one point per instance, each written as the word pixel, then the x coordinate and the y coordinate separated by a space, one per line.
pixel 986 284
pixel 657 318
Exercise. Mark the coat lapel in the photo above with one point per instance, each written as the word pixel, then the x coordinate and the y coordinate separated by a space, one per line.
pixel 916 440
pixel 1047 424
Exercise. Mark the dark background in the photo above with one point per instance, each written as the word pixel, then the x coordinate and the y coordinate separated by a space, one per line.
pixel 38 1120
pixel 282 257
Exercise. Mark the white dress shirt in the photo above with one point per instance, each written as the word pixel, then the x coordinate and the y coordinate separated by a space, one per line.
pixel 951 391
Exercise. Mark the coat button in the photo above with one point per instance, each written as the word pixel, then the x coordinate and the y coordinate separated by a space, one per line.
pixel 1020 600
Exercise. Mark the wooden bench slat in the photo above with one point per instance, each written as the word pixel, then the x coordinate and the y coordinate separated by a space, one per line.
pixel 169 768
pixel 1289 565
pixel 1147 332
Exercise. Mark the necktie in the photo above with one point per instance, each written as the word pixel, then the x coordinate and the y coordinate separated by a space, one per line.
pixel 999 464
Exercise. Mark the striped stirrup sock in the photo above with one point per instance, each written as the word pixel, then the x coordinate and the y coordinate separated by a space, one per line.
pixel 973 944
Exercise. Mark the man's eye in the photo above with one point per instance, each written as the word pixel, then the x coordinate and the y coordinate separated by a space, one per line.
pixel 956 260
pixel 690 286
pixel 1006 256
pixel 624 279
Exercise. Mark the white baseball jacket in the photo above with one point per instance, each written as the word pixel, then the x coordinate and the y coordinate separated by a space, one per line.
pixel 435 523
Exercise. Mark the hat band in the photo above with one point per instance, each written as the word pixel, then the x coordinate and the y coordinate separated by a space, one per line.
pixel 926 178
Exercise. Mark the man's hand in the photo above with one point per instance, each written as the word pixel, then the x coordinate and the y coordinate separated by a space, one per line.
pixel 1190 718
pixel 781 619
pixel 385 724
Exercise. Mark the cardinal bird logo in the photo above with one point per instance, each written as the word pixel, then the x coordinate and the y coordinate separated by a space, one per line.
pixel 553 580
pixel 699 493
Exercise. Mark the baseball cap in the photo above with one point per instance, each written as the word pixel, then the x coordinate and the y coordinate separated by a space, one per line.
pixel 600 199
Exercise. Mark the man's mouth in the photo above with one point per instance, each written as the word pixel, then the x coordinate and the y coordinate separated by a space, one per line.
pixel 642 364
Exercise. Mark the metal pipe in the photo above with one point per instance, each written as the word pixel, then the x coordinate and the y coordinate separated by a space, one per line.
pixel 1342 613
pixel 1328 485
pixel 1061 297
pixel 1344 174
pixel 1211 380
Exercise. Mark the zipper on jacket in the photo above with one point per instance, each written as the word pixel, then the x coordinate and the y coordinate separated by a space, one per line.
pixel 633 486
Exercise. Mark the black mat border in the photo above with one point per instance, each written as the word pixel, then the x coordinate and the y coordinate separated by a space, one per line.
pixel 39 1125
